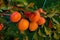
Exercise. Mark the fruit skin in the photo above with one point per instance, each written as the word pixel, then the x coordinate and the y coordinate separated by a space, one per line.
pixel 34 16
pixel 27 14
pixel 1 27
pixel 41 21
pixel 15 16
pixel 33 26
pixel 23 24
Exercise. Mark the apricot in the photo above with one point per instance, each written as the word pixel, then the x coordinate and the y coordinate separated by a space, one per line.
pixel 33 26
pixel 15 16
pixel 34 16
pixel 41 21
pixel 23 24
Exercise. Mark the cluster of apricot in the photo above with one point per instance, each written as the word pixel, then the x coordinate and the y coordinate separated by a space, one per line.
pixel 35 19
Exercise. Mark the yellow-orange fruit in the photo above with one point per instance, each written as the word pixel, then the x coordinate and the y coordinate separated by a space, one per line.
pixel 41 21
pixel 23 24
pixel 33 26
pixel 15 16
pixel 34 16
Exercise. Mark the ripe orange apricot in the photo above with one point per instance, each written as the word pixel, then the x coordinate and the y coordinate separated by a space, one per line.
pixel 34 16
pixel 15 16
pixel 41 21
pixel 1 27
pixel 23 24
pixel 33 26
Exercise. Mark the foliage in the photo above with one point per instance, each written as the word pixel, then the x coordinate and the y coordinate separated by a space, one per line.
pixel 10 30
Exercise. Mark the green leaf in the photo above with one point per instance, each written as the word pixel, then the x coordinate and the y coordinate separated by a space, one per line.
pixel 40 33
pixel 2 20
pixel 47 31
pixel 35 36
pixel 4 8
pixel 22 1
pixel 1 11
pixel 56 36
pixel 52 14
pixel 25 37
pixel 58 28
pixel 54 20
pixel 54 26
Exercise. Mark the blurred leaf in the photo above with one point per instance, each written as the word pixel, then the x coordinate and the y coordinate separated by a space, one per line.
pixel 47 31
pixel 54 26
pixel 2 5
pixel 1 11
pixel 41 34
pixel 2 20
pixel 56 36
pixel 54 20
pixel 5 2
pixel 35 36
pixel 25 37
pixel 58 28
pixel 16 38
pixel 4 8
pixel 30 5
pixel 57 18
pixel 52 13
pixel 20 5
pixel 22 1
